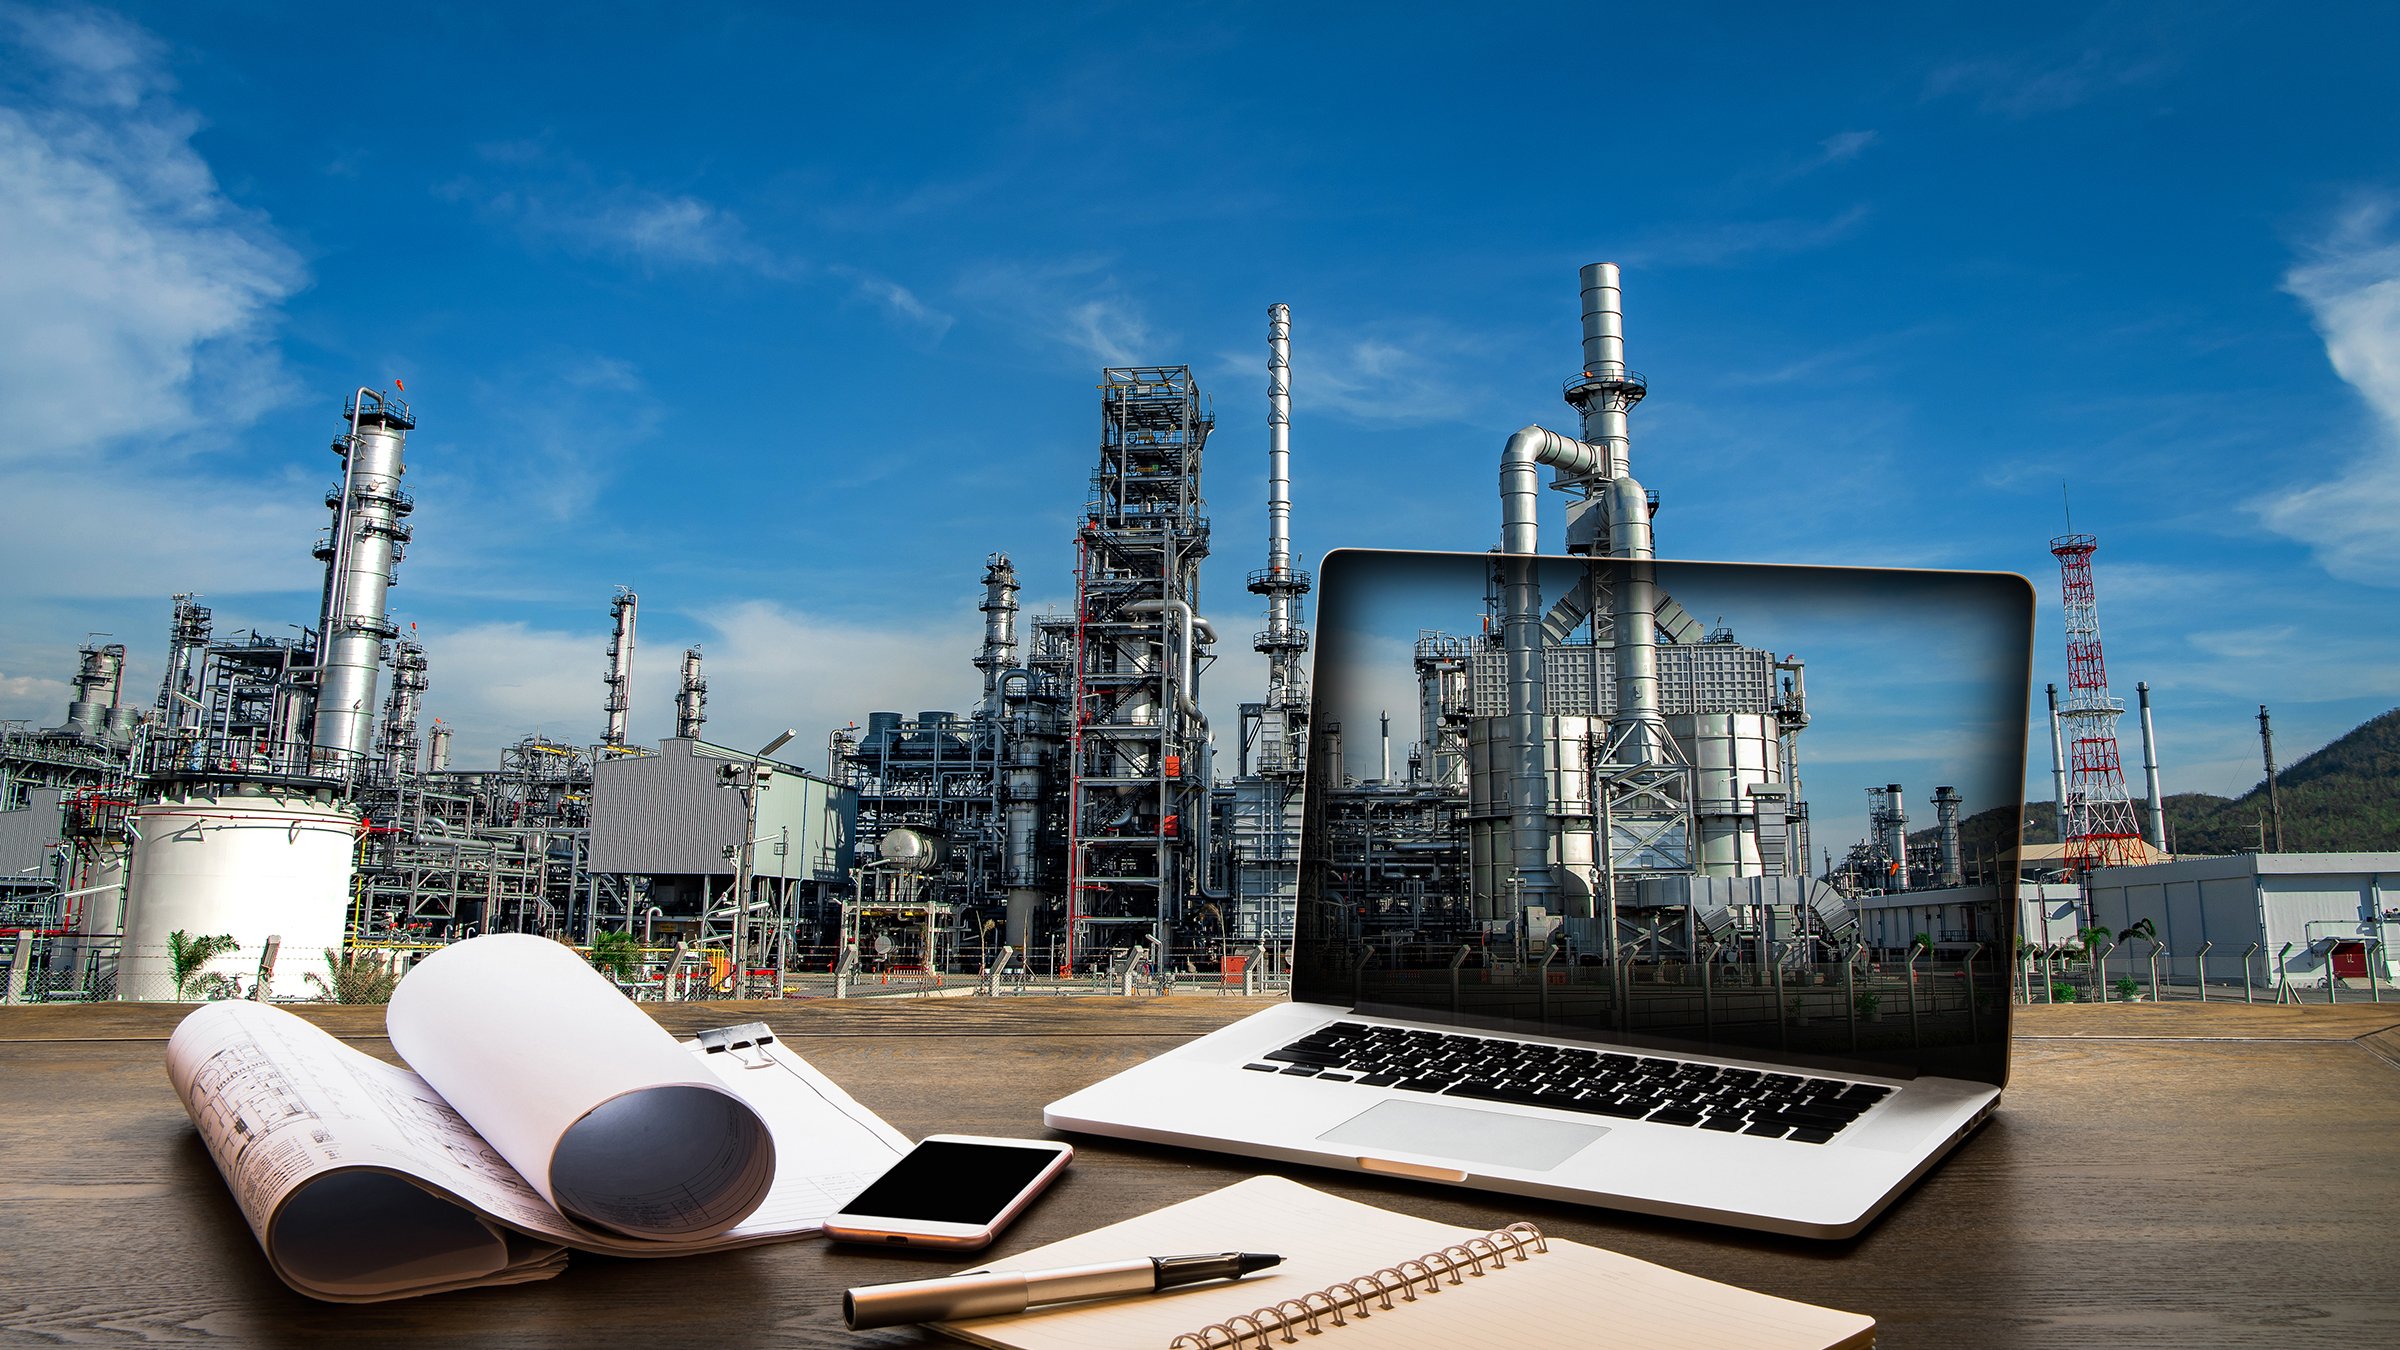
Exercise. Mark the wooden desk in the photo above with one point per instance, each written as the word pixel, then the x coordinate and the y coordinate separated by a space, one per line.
pixel 2174 1176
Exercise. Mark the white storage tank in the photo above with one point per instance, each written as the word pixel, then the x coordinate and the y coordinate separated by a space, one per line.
pixel 1730 753
pixel 252 863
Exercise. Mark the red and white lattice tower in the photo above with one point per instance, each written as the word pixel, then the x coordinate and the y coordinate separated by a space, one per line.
pixel 2101 829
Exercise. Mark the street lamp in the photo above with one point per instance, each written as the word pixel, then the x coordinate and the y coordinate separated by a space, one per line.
pixel 749 779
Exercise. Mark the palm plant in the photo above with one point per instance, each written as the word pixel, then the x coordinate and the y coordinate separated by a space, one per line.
pixel 356 977
pixel 187 954
pixel 616 955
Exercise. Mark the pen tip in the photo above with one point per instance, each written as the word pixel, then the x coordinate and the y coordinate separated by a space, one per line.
pixel 1252 1261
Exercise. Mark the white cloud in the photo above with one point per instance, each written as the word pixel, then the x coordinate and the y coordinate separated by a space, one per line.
pixel 2351 284
pixel 132 291
pixel 2031 85
pixel 1075 305
pixel 1722 244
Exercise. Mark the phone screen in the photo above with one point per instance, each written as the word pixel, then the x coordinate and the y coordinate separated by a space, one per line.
pixel 943 1182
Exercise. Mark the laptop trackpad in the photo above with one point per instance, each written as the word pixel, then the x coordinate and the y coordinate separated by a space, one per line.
pixel 1469 1136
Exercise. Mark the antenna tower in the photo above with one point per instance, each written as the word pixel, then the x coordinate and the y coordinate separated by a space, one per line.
pixel 2100 827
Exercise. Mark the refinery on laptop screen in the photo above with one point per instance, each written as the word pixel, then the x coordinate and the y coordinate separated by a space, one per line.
pixel 1692 805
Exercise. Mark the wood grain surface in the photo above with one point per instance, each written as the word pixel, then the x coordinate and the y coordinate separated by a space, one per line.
pixel 2157 1176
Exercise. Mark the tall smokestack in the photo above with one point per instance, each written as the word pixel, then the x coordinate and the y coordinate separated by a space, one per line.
pixel 691 699
pixel 1387 748
pixel 361 553
pixel 2058 765
pixel 1281 583
pixel 2158 805
pixel 622 611
pixel 999 607
pixel 2266 743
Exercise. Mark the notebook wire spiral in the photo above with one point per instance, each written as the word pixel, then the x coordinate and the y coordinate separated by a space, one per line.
pixel 1337 1303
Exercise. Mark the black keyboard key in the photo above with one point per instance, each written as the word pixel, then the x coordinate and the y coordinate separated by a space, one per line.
pixel 1717 1120
pixel 1767 1129
pixel 1422 1084
pixel 1320 1058
pixel 1376 1079
pixel 1265 1068
pixel 1329 1076
pixel 1303 1070
pixel 1811 1136
pixel 1674 1115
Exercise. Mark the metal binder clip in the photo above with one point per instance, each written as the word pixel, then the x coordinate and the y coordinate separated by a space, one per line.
pixel 753 1036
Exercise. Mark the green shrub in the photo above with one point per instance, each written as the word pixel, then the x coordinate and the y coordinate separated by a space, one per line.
pixel 2063 993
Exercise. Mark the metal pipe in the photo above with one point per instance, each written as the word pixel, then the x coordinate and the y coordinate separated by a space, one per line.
pixel 1194 630
pixel 1521 636
pixel 1945 809
pixel 2058 765
pixel 2157 832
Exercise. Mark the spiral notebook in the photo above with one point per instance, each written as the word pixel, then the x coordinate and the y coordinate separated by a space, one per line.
pixel 1356 1275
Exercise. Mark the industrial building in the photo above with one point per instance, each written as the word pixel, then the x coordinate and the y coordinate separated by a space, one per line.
pixel 2318 920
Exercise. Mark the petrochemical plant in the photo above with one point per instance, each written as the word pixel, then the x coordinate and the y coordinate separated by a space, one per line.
pixel 289 792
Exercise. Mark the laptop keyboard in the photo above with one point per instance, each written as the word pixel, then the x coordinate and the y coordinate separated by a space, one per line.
pixel 1598 1082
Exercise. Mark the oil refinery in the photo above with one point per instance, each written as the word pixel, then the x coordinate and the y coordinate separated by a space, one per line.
pixel 1591 765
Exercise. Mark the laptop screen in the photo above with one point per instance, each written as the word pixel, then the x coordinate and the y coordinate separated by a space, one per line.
pixel 1763 812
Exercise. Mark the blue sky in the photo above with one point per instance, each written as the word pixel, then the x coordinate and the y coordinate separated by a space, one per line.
pixel 786 317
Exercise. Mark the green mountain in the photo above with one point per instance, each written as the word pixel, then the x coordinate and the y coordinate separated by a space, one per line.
pixel 2344 798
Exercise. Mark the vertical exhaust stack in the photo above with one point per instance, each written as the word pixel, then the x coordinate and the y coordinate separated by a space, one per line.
pixel 622 611
pixel 2158 803
pixel 437 755
pixel 691 699
pixel 2058 765
pixel 2266 745
pixel 361 554
pixel 1945 809
pixel 999 654
pixel 1284 639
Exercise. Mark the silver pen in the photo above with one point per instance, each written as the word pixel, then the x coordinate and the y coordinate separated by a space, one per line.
pixel 987 1293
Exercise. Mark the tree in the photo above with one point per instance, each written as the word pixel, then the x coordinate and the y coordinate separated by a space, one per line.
pixel 187 954
pixel 356 977
pixel 616 955
pixel 2144 929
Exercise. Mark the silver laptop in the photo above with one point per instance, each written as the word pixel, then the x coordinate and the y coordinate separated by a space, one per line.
pixel 1689 891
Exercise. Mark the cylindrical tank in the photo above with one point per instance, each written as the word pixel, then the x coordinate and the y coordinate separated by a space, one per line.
pixel 1730 753
pixel 250 864
pixel 883 733
pixel 1491 840
pixel 913 848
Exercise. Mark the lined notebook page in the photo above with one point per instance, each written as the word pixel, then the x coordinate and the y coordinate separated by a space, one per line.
pixel 1569 1295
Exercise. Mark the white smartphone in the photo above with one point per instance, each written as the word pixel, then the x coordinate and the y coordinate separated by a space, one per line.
pixel 952 1190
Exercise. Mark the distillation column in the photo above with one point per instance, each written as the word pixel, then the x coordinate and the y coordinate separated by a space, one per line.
pixel 691 697
pixel 187 647
pixel 622 612
pixel 401 710
pixel 360 554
